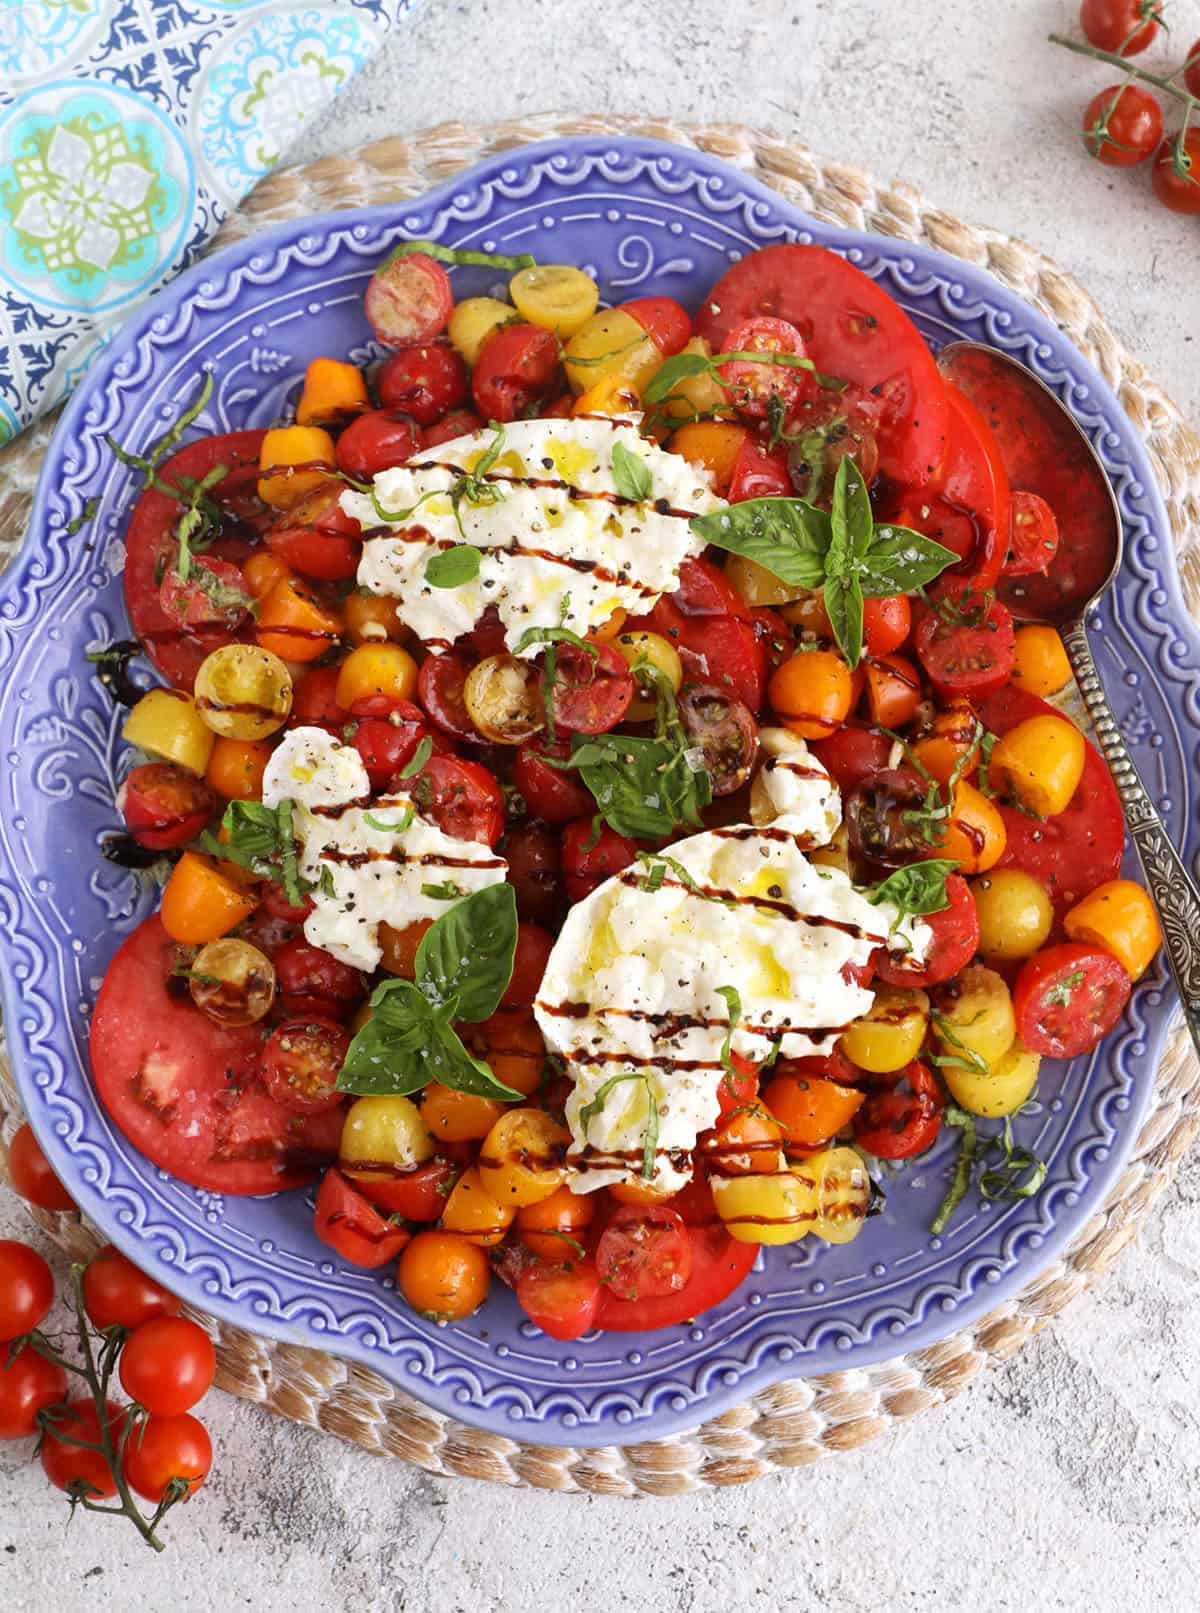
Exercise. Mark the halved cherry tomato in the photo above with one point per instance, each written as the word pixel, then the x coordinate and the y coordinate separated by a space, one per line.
pixel 516 370
pixel 774 635
pixel 377 441
pixel 644 1252
pixel 724 730
pixel 719 1263
pixel 811 1108
pixel 887 620
pixel 316 536
pixel 440 685
pixel 1033 538
pixel 352 1226
pixel 955 942
pixel 561 1297
pixel 726 652
pixel 893 690
pixel 902 1115
pixel 589 858
pixel 966 649
pixel 215 595
pixel 666 322
pixel 422 382
pixel 1067 998
pixel 759 472
pixel 462 798
pixel 550 792
pixel 312 981
pixel 164 805
pixel 831 1066
pixel 301 1062
pixel 417 1192
pixel 851 329
pixel 386 734
pixel 591 692
pixel 458 423
pixel 408 300
pixel 751 386
pixel 735 1091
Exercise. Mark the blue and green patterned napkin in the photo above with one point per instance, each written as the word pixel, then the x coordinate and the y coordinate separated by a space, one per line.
pixel 128 130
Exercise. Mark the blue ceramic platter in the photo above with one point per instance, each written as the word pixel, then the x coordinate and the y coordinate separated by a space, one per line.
pixel 644 218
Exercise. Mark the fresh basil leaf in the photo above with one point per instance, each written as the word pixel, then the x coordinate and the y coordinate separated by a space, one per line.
pixel 631 475
pixel 844 606
pixel 452 567
pixel 917 889
pixel 446 891
pixel 407 1043
pixel 644 788
pixel 850 510
pixel 460 255
pixel 899 561
pixel 786 536
pixel 675 369
pixel 260 839
pixel 468 953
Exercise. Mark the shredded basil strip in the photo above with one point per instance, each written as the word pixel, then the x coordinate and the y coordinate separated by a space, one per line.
pixel 734 1002
pixel 405 821
pixel 459 255
pixel 650 1140
pixel 418 758
pixel 963 1166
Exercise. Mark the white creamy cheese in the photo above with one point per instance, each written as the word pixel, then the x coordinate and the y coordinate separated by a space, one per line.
pixel 792 783
pixel 551 555
pixel 632 987
pixel 383 860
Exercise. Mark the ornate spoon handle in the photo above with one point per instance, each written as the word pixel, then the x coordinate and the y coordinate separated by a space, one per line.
pixel 1171 887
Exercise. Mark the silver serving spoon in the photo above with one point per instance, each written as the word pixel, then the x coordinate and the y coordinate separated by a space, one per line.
pixel 1062 600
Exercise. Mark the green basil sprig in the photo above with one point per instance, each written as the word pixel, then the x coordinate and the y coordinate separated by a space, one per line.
pixel 459 255
pixel 262 840
pixel 841 550
pixel 463 966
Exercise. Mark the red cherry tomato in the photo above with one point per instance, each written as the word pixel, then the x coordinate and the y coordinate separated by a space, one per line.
pixel 26 1289
pixel 724 729
pixel 28 1384
pixel 314 702
pixel 853 755
pixel 168 1365
pixel 277 906
pixel 117 1294
pixel 902 1115
pixel 1176 174
pixel 644 1252
pixel 462 798
pixel 534 946
pixel 726 653
pixel 377 440
pixel 317 537
pixel 422 382
pixel 408 300
pixel 591 693
pixel 458 423
pixel 515 371
pixel 668 325
pixel 440 684
pixel 750 386
pixel 73 1468
pixel 737 1090
pixel 887 621
pixel 1033 538
pixel 164 805
pixel 165 1449
pixel 590 858
pixel 549 792
pixel 562 1298
pixel 418 1193
pixel 313 981
pixel 350 1224
pixel 386 738
pixel 1067 998
pixel 955 942
pixel 533 852
pixel 214 596
pixel 759 472
pixel 831 1066
pixel 774 636
pixel 1122 125
pixel 1191 75
pixel 719 1265
pixel 1123 26
pixel 965 649
pixel 31 1175
pixel 301 1062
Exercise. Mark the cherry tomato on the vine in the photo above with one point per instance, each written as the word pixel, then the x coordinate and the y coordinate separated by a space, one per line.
pixel 72 1467
pixel 1123 26
pixel 26 1289
pixel 31 1174
pixel 167 1448
pixel 1122 125
pixel 168 1365
pixel 117 1294
pixel 28 1384
pixel 1176 175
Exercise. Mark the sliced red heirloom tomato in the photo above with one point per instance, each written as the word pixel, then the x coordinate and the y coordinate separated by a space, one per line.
pixel 150 546
pixel 955 942
pixel 423 382
pixel 852 330
pixel 214 596
pixel 966 650
pixel 164 805
pixel 188 1092
pixel 317 537
pixel 591 692
pixel 562 1297
pixel 550 792
pixel 408 300
pixel 1076 850
pixel 462 798
pixel 759 472
pixel 725 652
pixel 666 322
pixel 515 371
pixel 705 591
pixel 644 1252
pixel 352 1226
pixel 591 855
pixel 902 1115
pixel 312 981
pixel 377 440
pixel 1067 998
pixel 724 730
pixel 301 1062
pixel 1033 540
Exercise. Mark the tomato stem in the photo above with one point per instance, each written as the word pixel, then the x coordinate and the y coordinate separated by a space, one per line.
pixel 1159 80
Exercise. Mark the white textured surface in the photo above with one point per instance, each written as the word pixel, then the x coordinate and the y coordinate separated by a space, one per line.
pixel 1072 1477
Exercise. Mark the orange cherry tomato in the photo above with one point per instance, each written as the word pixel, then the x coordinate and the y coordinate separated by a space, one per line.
pixel 201 903
pixel 443 1276
pixel 236 768
pixel 953 734
pixel 556 1228
pixel 1118 916
pixel 748 1143
pixel 811 1108
pixel 711 445
pixel 294 624
pixel 813 691
pixel 893 690
pixel 975 836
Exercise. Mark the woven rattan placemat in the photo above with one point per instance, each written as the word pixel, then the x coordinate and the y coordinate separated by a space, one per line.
pixel 801 1420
